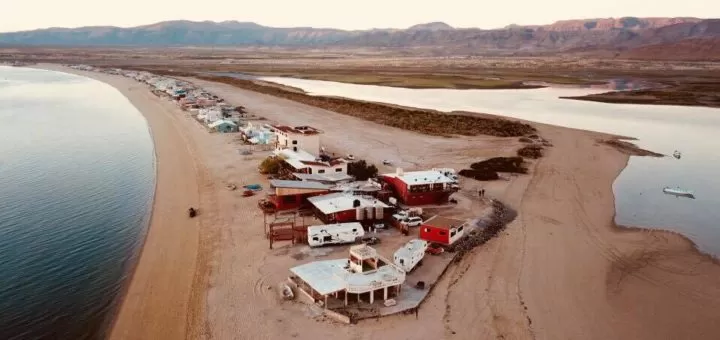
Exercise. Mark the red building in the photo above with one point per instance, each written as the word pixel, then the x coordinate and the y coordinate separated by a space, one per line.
pixel 442 230
pixel 420 187
pixel 341 207
pixel 290 195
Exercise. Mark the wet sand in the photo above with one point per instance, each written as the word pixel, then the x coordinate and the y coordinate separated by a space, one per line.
pixel 562 269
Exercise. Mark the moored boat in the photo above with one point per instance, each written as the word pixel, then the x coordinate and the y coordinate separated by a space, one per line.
pixel 679 192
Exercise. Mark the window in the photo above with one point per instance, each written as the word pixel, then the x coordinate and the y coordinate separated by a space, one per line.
pixel 452 233
pixel 321 171
pixel 461 228
pixel 295 148
pixel 338 170
pixel 294 142
pixel 443 233
pixel 316 239
pixel 354 230
pixel 427 230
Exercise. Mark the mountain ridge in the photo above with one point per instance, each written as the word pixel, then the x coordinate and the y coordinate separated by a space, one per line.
pixel 614 34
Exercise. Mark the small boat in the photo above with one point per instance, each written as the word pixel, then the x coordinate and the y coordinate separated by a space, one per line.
pixel 678 192
pixel 677 154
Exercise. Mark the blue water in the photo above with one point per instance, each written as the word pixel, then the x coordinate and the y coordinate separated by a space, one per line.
pixel 76 184
pixel 639 200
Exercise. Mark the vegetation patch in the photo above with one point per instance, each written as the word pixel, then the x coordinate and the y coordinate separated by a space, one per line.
pixel 361 170
pixel 630 148
pixel 422 121
pixel 270 165
pixel 531 151
pixel 487 170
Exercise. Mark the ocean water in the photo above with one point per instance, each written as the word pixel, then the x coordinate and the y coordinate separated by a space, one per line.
pixel 639 200
pixel 76 184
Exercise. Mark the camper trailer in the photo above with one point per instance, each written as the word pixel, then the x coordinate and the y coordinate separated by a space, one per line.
pixel 340 233
pixel 410 254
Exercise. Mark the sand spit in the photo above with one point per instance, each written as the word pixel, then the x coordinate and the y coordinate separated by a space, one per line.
pixel 560 270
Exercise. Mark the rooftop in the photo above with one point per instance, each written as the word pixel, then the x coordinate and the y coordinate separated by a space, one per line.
pixel 363 251
pixel 327 277
pixel 421 177
pixel 276 183
pixel 331 177
pixel 443 222
pixel 329 204
pixel 411 248
pixel 220 122
pixel 302 159
pixel 304 130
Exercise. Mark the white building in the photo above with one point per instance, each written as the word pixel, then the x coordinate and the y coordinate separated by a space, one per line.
pixel 298 138
pixel 365 274
pixel 304 162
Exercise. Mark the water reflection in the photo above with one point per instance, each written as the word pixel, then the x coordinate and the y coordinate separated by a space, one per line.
pixel 638 190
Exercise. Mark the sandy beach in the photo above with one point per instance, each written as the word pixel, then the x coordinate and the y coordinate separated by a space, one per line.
pixel 561 270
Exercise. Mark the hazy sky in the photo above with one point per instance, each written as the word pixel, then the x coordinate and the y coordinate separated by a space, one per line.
pixel 18 15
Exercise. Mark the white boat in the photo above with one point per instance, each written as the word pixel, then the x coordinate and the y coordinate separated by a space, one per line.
pixel 679 192
pixel 677 154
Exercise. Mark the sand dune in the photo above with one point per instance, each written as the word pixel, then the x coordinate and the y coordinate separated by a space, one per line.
pixel 562 270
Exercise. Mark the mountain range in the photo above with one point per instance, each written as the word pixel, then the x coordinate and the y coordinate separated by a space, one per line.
pixel 629 35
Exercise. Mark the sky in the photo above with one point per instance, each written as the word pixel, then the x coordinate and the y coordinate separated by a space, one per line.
pixel 17 15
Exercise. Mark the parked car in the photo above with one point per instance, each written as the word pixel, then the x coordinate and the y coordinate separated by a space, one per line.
pixel 413 221
pixel 350 157
pixel 386 162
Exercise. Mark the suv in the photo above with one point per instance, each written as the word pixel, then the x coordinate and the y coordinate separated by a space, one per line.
pixel 413 221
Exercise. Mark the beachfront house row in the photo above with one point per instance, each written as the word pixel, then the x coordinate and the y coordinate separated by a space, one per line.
pixel 363 276
pixel 343 207
pixel 420 187
pixel 258 134
pixel 298 138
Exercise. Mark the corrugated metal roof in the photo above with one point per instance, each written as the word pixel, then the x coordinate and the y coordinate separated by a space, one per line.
pixel 276 183
pixel 332 177
pixel 329 204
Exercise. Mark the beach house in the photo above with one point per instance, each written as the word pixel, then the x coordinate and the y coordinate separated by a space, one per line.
pixel 344 207
pixel 363 276
pixel 223 126
pixel 420 187
pixel 442 230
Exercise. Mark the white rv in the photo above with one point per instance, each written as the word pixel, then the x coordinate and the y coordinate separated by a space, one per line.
pixel 410 254
pixel 320 235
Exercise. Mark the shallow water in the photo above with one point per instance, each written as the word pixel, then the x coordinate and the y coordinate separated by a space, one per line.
pixel 76 183
pixel 638 190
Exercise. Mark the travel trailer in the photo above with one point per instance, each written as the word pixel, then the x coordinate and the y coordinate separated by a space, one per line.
pixel 410 254
pixel 340 233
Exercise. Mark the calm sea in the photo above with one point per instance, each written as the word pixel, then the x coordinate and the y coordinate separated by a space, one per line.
pixel 76 184
pixel 638 190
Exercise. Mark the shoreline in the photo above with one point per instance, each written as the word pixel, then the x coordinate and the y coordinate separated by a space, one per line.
pixel 156 299
pixel 563 253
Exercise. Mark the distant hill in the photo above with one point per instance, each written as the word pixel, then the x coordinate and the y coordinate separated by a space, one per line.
pixel 620 35
pixel 431 26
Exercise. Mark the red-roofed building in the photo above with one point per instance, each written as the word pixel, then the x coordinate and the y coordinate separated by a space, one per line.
pixel 420 187
pixel 442 230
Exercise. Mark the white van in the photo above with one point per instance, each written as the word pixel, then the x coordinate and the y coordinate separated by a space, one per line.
pixel 340 233
pixel 410 254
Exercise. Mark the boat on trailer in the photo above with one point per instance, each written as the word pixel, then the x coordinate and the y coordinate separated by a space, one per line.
pixel 679 192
